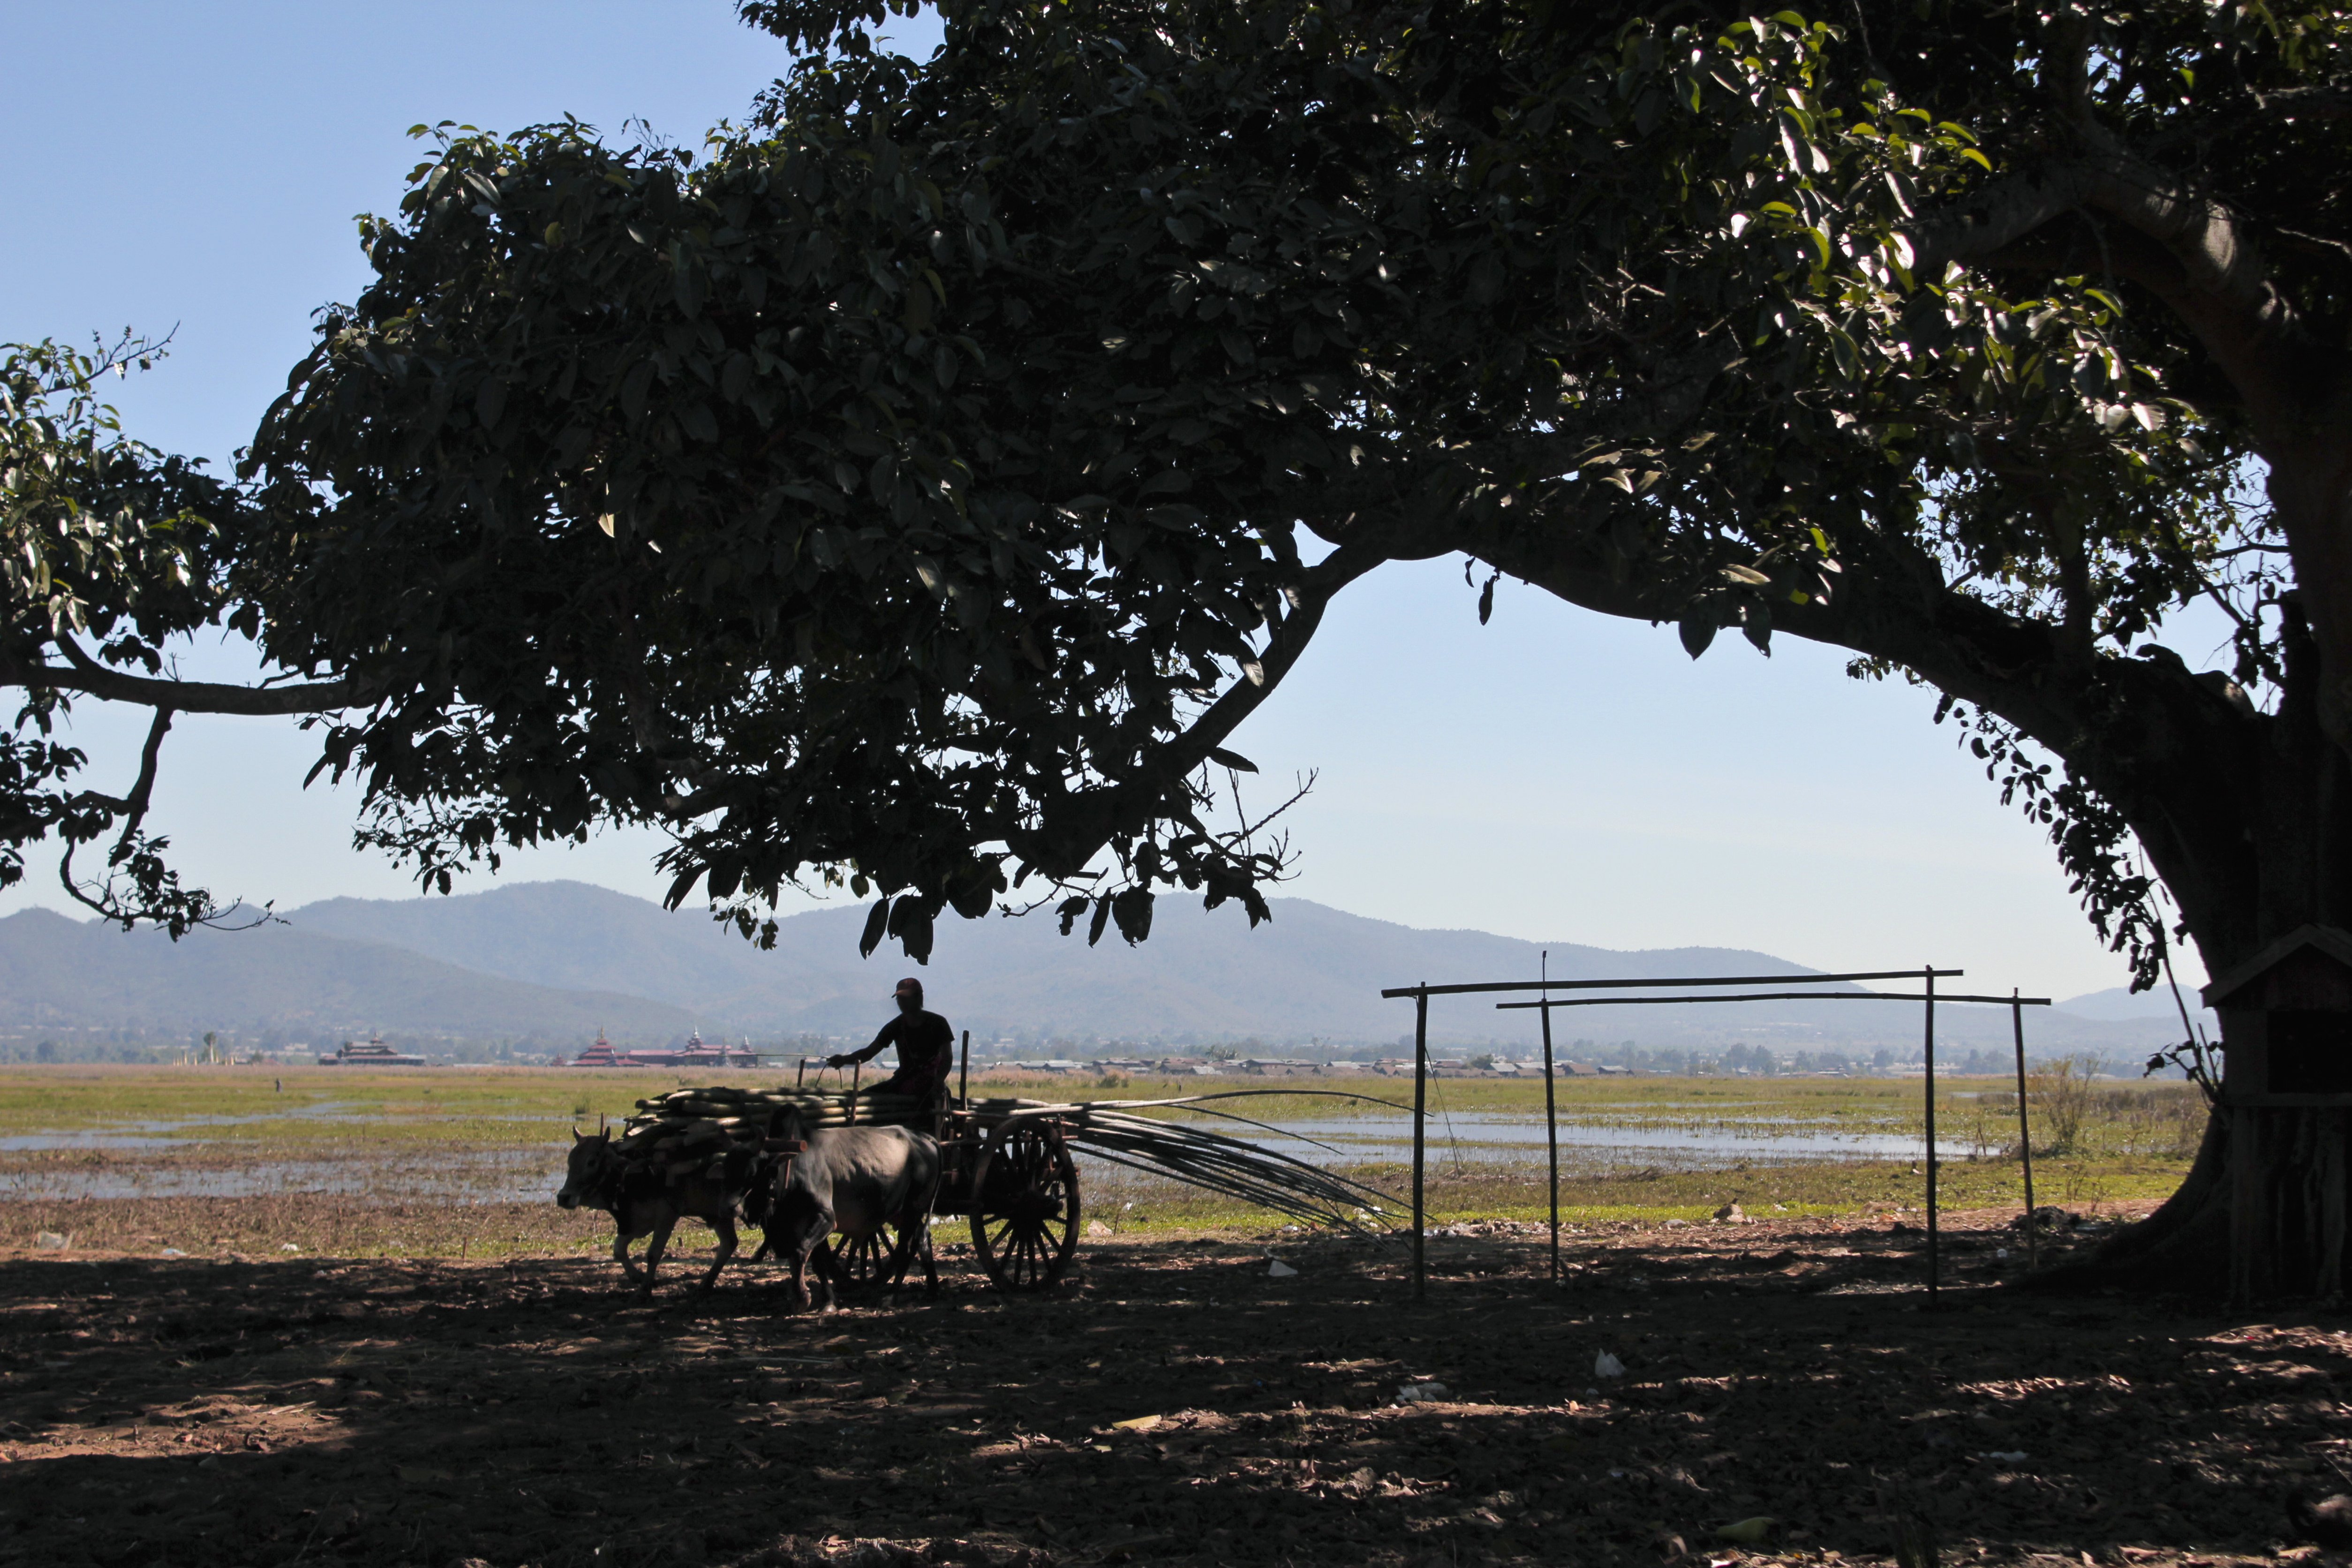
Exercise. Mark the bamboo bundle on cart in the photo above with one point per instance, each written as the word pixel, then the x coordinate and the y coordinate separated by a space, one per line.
pixel 688 1125
pixel 1109 1131
pixel 701 1127
pixel 754 1106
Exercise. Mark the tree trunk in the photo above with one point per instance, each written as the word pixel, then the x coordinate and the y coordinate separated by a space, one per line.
pixel 2261 1215
pixel 2245 816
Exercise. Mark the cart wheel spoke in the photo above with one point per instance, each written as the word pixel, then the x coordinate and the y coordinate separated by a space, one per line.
pixel 1024 1205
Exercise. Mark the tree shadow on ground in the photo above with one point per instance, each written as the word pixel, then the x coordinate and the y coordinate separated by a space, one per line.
pixel 1176 1402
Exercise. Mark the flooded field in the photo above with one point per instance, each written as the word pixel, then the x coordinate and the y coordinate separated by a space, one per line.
pixel 326 1154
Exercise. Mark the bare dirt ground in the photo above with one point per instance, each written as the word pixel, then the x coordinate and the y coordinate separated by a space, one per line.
pixel 220 1411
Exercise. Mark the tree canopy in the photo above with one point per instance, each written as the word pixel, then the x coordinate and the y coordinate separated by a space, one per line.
pixel 916 485
pixel 109 551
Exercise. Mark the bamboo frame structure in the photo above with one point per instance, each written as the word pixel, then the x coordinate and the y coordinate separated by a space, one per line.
pixel 1927 975
pixel 1551 1127
pixel 2024 1134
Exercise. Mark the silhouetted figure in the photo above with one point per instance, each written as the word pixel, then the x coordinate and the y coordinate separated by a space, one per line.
pixel 926 1048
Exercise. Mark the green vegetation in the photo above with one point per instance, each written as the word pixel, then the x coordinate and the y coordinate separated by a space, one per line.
pixel 448 1162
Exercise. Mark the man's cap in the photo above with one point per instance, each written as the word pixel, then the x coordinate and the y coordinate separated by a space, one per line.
pixel 910 984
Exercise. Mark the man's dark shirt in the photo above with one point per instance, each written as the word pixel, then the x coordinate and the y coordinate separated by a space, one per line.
pixel 926 1045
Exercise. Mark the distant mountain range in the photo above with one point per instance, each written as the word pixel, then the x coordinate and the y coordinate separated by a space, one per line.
pixel 276 979
pixel 551 963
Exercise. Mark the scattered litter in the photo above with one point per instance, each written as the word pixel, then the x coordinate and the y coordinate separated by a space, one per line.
pixel 52 1240
pixel 1753 1531
pixel 288 1246
pixel 174 1252
pixel 1137 1424
pixel 1732 1214
pixel 2012 1456
pixel 1677 1224
pixel 2001 1255
pixel 1096 1227
pixel 1276 1269
pixel 1422 1394
pixel 1607 1365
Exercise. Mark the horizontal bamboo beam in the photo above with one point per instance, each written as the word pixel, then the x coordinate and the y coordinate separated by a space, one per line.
pixel 1774 997
pixel 1619 984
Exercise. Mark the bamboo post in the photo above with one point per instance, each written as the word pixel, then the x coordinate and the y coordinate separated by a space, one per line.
pixel 1551 1126
pixel 2024 1132
pixel 964 1078
pixel 1420 1144
pixel 1934 1271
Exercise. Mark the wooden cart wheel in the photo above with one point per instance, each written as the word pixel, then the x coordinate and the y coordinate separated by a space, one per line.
pixel 874 1262
pixel 1024 1205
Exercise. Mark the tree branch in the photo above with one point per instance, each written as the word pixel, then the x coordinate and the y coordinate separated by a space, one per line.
pixel 82 673
pixel 1073 828
pixel 134 809
pixel 2320 101
pixel 2196 258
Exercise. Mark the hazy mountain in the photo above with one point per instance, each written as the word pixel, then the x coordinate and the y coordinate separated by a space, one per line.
pixel 58 970
pixel 1313 973
pixel 2120 1005
pixel 553 962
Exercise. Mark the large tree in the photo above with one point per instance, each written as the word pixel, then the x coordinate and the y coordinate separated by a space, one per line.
pixel 111 553
pixel 916 486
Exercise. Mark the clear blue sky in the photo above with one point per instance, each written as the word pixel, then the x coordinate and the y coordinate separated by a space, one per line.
pixel 1554 775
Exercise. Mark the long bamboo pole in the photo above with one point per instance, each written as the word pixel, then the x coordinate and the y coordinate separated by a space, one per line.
pixel 1551 1128
pixel 1934 1263
pixel 1420 1141
pixel 2024 1131
pixel 1395 992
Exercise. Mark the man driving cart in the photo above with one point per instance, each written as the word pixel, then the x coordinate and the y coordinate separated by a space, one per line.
pixel 926 1049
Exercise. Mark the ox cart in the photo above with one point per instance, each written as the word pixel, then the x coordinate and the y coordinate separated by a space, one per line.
pixel 1007 1166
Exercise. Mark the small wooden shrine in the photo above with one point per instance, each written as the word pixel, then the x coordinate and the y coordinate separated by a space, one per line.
pixel 2287 1019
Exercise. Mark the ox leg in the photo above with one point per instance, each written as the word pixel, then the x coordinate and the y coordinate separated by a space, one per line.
pixel 798 1260
pixel 827 1273
pixel 725 1226
pixel 655 1247
pixel 620 1239
pixel 923 1232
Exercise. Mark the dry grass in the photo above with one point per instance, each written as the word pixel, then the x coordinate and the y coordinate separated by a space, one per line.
pixel 450 1163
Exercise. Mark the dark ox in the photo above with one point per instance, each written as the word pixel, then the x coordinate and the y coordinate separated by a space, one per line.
pixel 853 1180
pixel 646 1199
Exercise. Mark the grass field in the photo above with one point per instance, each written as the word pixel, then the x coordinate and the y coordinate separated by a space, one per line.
pixel 459 1162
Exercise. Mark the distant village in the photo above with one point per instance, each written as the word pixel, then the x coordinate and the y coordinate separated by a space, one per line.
pixel 1004 1056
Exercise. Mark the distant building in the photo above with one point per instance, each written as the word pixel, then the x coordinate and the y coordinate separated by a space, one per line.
pixel 599 1055
pixel 375 1054
pixel 695 1053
